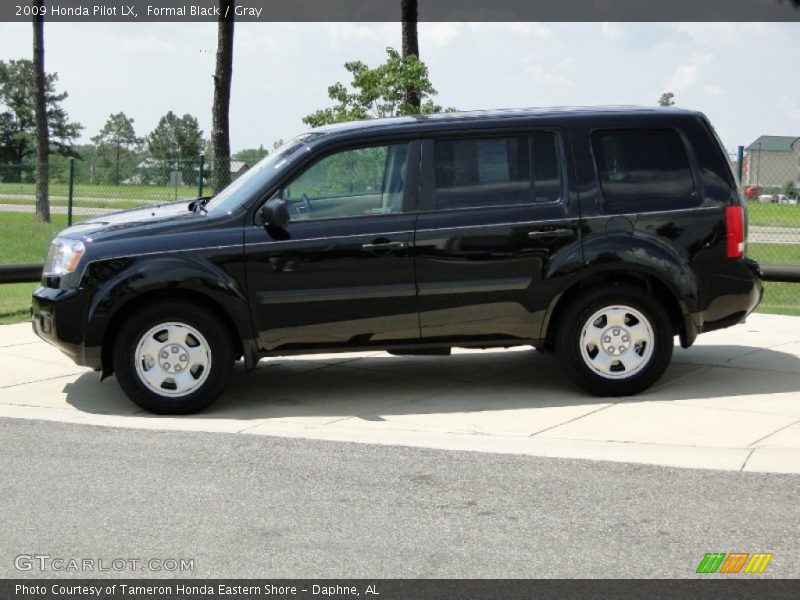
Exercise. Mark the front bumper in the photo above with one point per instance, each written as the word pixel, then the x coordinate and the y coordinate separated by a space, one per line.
pixel 59 318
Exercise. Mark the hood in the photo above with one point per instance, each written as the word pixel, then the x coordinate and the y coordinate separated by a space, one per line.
pixel 138 220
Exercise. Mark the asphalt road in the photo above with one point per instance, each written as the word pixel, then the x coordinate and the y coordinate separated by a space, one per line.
pixel 253 506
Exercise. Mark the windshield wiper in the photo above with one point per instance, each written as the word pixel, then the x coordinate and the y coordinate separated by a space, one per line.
pixel 199 204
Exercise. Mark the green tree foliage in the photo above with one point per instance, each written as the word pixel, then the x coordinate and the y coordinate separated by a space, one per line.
pixel 251 155
pixel 176 138
pixel 116 144
pixel 790 189
pixel 174 145
pixel 379 92
pixel 17 119
pixel 85 170
pixel 667 99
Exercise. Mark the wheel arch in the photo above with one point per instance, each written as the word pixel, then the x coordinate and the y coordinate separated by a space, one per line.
pixel 666 294
pixel 139 301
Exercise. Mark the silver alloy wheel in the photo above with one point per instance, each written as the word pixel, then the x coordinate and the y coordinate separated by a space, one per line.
pixel 617 342
pixel 173 359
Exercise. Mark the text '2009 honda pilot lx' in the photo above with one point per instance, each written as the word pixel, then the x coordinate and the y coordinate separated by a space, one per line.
pixel 598 233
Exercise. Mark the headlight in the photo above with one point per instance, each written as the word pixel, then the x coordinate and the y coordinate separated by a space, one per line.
pixel 63 257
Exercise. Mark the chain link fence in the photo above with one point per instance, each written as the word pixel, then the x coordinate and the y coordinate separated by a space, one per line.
pixel 81 189
pixel 768 169
pixel 88 189
pixel 769 172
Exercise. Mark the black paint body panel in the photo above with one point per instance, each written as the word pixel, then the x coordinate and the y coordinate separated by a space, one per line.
pixel 473 277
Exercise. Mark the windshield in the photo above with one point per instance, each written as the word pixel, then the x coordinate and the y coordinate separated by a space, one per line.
pixel 259 175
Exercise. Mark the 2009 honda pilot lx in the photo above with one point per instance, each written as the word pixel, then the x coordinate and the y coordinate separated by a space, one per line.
pixel 598 233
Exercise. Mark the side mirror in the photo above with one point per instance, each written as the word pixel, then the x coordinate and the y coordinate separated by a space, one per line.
pixel 275 213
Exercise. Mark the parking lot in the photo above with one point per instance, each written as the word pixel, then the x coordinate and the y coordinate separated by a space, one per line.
pixel 732 402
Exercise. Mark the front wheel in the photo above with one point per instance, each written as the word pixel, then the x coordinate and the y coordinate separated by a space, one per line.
pixel 173 357
pixel 615 341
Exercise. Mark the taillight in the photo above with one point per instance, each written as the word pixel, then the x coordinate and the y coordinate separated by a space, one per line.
pixel 734 227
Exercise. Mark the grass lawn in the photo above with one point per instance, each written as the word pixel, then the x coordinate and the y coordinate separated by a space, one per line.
pixel 22 192
pixel 779 298
pixel 775 254
pixel 110 204
pixel 23 240
pixel 773 215
pixel 15 302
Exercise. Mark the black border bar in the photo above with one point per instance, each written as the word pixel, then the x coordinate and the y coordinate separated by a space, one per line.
pixel 733 587
pixel 389 10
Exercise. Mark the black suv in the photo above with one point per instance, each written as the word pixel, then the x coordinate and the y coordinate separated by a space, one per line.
pixel 599 233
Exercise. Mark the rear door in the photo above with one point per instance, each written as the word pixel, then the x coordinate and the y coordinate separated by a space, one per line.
pixel 495 212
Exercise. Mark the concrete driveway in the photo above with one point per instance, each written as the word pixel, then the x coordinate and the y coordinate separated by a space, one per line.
pixel 732 402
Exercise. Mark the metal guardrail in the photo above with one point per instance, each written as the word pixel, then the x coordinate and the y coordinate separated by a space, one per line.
pixel 84 187
pixel 20 273
pixel 785 274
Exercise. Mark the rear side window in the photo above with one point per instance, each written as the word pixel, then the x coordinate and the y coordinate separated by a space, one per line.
pixel 643 167
pixel 493 171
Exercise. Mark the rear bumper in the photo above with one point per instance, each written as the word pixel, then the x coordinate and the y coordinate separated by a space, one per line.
pixel 734 292
pixel 59 317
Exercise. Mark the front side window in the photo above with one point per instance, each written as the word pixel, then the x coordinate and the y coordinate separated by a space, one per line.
pixel 350 183
pixel 642 166
pixel 259 175
pixel 496 171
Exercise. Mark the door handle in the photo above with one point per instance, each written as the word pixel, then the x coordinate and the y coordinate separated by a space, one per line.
pixel 551 233
pixel 385 246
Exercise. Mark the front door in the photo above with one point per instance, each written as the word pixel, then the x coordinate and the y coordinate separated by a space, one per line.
pixel 495 214
pixel 341 273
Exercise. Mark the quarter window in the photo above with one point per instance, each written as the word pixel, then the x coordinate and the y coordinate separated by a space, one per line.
pixel 642 166
pixel 496 171
pixel 356 182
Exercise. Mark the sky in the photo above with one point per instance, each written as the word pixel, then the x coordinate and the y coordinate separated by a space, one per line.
pixel 742 75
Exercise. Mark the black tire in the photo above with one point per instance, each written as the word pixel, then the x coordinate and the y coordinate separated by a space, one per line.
pixel 569 341
pixel 206 323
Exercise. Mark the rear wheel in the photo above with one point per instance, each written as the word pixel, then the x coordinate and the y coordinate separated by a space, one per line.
pixel 615 341
pixel 173 357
